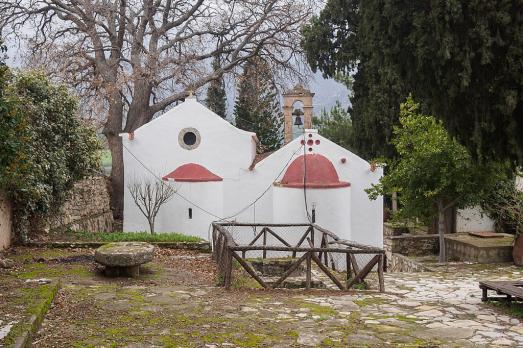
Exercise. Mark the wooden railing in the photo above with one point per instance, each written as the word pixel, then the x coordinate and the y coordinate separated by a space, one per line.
pixel 320 247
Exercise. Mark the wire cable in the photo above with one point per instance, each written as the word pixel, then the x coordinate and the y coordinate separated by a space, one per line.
pixel 163 183
pixel 305 179
pixel 268 187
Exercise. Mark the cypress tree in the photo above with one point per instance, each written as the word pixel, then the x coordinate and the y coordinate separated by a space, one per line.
pixel 257 107
pixel 216 97
pixel 460 59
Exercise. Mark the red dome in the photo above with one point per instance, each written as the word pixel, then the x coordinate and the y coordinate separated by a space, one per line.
pixel 320 173
pixel 192 172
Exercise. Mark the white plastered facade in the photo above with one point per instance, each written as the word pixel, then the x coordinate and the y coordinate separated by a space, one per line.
pixel 474 219
pixel 228 152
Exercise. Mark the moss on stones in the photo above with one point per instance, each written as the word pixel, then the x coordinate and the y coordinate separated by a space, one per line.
pixel 39 298
pixel 316 309
pixel 369 301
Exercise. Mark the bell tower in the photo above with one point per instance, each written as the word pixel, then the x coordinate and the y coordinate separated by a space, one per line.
pixel 297 112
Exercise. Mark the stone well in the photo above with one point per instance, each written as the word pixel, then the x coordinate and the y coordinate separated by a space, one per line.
pixel 271 269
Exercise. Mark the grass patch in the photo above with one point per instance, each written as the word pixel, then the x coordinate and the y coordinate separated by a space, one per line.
pixel 405 319
pixel 83 236
pixel 240 281
pixel 39 270
pixel 514 309
pixel 106 158
pixel 315 309
pixel 368 301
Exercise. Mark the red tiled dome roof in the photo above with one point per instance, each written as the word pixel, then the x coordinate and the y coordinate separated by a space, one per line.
pixel 192 172
pixel 320 173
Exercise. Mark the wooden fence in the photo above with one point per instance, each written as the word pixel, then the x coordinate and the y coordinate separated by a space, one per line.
pixel 314 245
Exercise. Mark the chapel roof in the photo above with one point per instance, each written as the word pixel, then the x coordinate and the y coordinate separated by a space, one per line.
pixel 320 173
pixel 192 172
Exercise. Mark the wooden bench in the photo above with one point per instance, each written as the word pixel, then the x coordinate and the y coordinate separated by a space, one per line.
pixel 511 289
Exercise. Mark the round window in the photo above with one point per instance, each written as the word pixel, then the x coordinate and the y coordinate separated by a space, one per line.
pixel 189 138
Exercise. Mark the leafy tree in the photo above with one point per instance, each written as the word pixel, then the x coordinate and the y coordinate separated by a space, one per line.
pixel 336 125
pixel 257 107
pixel 433 172
pixel 12 127
pixel 216 96
pixel 54 149
pixel 348 37
pixel 131 60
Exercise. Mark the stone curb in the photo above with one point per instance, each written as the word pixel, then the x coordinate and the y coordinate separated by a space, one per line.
pixel 35 321
pixel 199 246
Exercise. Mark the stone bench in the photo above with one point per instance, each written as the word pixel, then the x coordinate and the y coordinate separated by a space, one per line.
pixel 124 258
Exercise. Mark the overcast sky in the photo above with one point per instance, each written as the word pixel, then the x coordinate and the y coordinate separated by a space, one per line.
pixel 327 91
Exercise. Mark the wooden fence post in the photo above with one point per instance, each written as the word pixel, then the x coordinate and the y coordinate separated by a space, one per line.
pixel 228 268
pixel 380 273
pixel 349 267
pixel 264 242
pixel 308 274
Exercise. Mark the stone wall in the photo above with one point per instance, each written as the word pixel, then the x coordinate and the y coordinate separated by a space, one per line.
pixel 399 242
pixel 87 209
pixel 412 245
pixel 401 263
pixel 6 222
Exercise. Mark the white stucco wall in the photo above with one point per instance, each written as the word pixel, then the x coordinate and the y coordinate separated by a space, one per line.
pixel 228 152
pixel 366 215
pixel 473 220
pixel 156 145
pixel 332 208
pixel 175 214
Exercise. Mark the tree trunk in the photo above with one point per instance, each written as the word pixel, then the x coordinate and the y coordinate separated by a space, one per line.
pixel 394 201
pixel 112 130
pixel 139 111
pixel 151 226
pixel 441 232
pixel 117 175
pixel 139 114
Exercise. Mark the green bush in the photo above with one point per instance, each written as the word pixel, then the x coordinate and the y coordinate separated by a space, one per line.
pixel 47 148
pixel 504 205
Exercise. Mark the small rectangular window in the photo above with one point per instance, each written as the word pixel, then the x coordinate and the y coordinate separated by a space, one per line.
pixel 190 213
pixel 313 215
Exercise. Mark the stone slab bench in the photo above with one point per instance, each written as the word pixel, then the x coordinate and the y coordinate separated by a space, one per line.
pixel 124 258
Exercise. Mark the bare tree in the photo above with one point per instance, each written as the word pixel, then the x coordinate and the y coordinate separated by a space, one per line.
pixel 136 58
pixel 149 197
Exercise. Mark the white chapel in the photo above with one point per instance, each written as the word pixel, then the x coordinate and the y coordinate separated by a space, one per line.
pixel 217 175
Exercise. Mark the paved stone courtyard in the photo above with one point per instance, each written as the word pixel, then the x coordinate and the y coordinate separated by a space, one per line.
pixel 174 303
